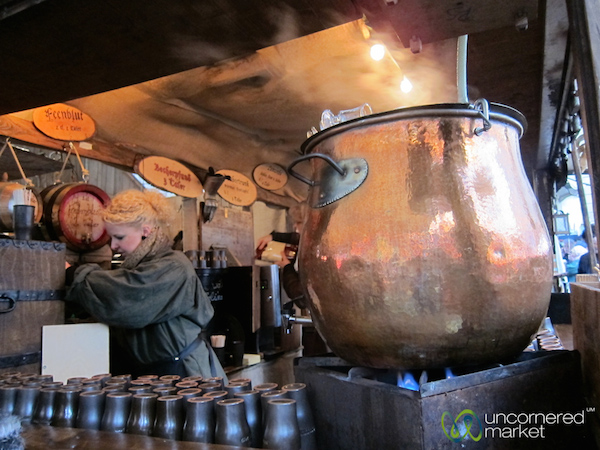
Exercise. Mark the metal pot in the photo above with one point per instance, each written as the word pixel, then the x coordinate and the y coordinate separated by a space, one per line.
pixel 424 245
pixel 7 202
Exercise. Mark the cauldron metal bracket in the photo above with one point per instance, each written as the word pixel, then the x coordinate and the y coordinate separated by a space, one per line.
pixel 482 106
pixel 336 180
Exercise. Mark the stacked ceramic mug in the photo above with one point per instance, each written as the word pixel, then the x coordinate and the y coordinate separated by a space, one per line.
pixel 190 409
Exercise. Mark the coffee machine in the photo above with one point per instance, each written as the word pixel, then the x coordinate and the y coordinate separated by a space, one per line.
pixel 247 303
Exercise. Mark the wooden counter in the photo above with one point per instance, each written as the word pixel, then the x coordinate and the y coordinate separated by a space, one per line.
pixel 47 438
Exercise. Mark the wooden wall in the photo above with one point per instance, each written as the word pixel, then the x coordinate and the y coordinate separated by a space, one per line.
pixel 232 227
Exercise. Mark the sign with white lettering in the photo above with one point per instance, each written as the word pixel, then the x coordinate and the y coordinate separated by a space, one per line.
pixel 270 176
pixel 64 122
pixel 240 190
pixel 169 175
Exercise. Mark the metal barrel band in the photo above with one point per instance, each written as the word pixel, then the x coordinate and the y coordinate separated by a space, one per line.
pixel 33 295
pixel 20 359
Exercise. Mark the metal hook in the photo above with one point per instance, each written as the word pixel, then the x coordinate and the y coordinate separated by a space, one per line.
pixel 483 107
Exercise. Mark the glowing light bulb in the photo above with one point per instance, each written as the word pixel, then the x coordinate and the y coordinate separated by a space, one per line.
pixel 405 85
pixel 377 52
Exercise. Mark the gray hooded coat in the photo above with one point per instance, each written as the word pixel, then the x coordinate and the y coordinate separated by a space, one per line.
pixel 154 310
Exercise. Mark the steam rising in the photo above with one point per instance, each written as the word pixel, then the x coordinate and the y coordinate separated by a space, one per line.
pixel 235 112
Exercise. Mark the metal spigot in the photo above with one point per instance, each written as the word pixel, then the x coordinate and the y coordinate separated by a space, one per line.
pixel 288 320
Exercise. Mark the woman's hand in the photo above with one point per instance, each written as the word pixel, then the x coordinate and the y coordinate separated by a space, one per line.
pixel 263 241
pixel 284 261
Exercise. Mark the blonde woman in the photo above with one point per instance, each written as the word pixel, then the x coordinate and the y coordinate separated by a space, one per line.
pixel 153 302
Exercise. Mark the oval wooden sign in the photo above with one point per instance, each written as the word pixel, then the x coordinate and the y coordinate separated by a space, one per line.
pixel 270 176
pixel 240 190
pixel 64 122
pixel 169 175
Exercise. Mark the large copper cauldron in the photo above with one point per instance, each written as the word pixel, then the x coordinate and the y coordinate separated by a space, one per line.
pixel 424 245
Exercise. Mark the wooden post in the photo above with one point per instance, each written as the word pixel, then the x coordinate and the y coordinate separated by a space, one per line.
pixel 584 21
pixel 585 316
pixel 583 203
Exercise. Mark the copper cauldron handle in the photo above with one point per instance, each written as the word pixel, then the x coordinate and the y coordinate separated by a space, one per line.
pixel 302 178
pixel 336 180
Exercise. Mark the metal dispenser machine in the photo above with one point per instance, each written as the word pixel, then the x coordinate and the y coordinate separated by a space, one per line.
pixel 247 303
pixel 270 308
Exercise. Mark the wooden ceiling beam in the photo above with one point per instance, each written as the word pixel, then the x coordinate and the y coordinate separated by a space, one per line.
pixel 24 130
pixel 121 158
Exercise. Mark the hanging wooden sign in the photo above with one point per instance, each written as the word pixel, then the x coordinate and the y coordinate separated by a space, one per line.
pixel 239 190
pixel 270 176
pixel 169 175
pixel 64 122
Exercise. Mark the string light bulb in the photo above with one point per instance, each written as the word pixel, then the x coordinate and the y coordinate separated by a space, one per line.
pixel 405 85
pixel 377 52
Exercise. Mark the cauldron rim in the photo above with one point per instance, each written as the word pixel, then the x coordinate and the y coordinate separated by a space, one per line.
pixel 497 112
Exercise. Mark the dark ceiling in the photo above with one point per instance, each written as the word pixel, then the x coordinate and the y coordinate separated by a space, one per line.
pixel 64 50
pixel 57 50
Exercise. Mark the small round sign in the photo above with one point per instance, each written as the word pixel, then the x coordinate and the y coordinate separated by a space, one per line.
pixel 270 176
pixel 239 190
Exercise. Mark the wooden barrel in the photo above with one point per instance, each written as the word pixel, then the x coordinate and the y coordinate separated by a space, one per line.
pixel 72 214
pixel 7 190
pixel 47 227
pixel 32 285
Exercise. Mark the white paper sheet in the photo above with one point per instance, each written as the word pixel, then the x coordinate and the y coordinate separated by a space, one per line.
pixel 75 350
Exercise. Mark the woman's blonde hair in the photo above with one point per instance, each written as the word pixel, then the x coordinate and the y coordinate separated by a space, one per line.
pixel 134 207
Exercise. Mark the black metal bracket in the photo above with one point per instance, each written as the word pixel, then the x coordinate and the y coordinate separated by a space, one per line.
pixel 11 303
